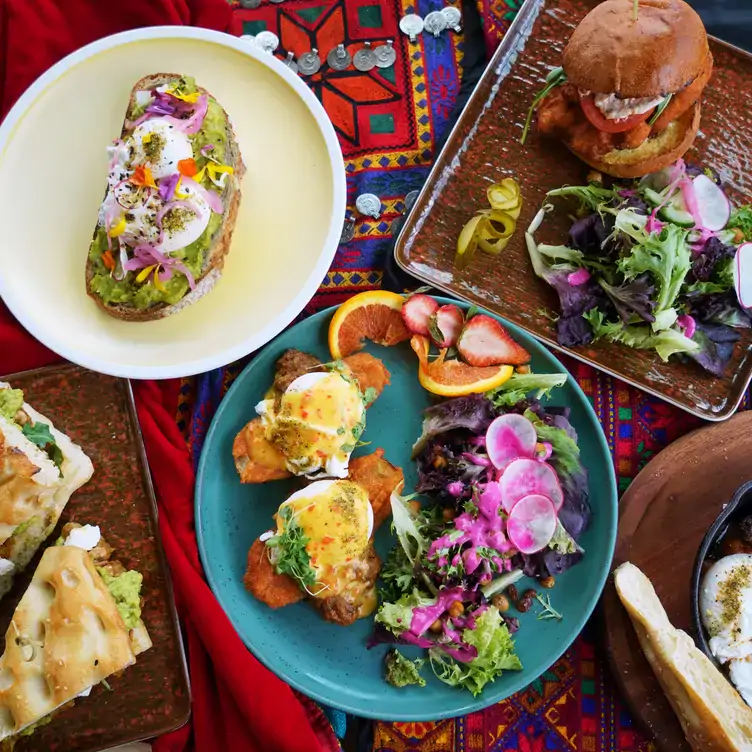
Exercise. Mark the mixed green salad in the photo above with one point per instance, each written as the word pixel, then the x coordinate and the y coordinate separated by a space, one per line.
pixel 663 263
pixel 503 494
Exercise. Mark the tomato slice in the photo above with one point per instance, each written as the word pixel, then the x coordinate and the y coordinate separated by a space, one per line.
pixel 602 123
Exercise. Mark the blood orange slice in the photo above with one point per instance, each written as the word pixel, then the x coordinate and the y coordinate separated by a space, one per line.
pixel 453 378
pixel 373 316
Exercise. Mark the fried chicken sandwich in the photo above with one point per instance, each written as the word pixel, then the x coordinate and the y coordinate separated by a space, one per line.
pixel 627 99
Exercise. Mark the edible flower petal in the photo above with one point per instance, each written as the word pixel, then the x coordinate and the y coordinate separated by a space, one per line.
pixel 168 186
pixel 108 260
pixel 190 98
pixel 142 176
pixel 147 256
pixel 145 272
pixel 118 228
pixel 187 167
pixel 206 149
pixel 222 171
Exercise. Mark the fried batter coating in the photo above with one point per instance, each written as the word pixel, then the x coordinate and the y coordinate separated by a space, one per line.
pixel 369 372
pixel 257 460
pixel 379 478
pixel 275 590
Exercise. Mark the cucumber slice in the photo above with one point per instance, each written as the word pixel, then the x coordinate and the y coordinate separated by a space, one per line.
pixel 671 213
pixel 652 197
pixel 713 206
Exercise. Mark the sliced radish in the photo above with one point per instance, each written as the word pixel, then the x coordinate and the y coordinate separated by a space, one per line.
pixel 742 276
pixel 524 477
pixel 531 523
pixel 510 437
pixel 713 206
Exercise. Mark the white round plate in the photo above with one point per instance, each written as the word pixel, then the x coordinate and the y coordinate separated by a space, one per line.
pixel 53 170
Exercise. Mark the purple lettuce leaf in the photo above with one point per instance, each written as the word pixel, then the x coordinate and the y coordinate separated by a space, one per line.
pixel 705 262
pixel 716 347
pixel 633 298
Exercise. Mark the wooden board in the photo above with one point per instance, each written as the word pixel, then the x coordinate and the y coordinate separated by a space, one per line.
pixel 663 517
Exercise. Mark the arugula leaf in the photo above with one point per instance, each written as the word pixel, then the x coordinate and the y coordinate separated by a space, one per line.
pixel 555 78
pixel 741 218
pixel 40 434
pixel 292 556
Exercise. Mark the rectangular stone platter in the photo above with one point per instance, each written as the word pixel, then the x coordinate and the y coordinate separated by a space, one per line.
pixel 151 697
pixel 484 148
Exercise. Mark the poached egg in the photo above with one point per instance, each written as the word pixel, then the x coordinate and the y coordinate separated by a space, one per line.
pixel 316 423
pixel 726 610
pixel 337 519
pixel 159 145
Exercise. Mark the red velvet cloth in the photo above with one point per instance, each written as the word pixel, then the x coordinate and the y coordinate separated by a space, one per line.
pixel 237 704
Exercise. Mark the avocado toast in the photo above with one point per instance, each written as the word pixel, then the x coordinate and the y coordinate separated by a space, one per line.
pixel 172 198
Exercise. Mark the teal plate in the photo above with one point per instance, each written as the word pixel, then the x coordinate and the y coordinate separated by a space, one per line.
pixel 330 663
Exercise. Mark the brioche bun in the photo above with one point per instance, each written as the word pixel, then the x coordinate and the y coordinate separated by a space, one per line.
pixel 660 53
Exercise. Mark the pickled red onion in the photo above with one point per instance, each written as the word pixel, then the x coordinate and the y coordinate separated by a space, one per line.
pixel 579 277
pixel 686 322
pixel 211 198
pixel 690 201
pixel 192 124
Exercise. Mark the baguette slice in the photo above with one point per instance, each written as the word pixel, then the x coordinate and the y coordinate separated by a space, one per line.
pixel 711 712
pixel 220 243
pixel 33 492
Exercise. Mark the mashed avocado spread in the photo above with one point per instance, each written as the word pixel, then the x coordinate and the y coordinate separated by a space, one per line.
pixel 144 295
pixel 11 401
pixel 126 590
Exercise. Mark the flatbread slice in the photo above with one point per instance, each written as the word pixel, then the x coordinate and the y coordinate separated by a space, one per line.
pixel 33 489
pixel 712 714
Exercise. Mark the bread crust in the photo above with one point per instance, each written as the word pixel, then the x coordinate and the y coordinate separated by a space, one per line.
pixel 654 154
pixel 610 53
pixel 215 258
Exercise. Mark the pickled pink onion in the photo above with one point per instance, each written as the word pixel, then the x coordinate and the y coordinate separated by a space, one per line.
pixel 579 277
pixel 206 148
pixel 192 124
pixel 686 322
pixel 690 200
pixel 653 224
pixel 212 199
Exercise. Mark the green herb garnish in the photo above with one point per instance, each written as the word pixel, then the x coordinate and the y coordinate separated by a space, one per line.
pixel 40 435
pixel 659 111
pixel 555 78
pixel 292 556
pixel 549 612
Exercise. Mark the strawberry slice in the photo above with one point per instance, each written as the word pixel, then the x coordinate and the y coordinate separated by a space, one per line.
pixel 417 310
pixel 485 342
pixel 445 326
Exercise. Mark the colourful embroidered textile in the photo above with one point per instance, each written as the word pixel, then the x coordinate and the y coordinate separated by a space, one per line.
pixel 389 121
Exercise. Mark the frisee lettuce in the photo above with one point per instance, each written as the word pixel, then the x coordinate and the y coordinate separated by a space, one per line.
pixel 496 654
pixel 520 385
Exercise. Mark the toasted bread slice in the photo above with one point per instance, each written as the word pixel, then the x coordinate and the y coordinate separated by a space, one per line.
pixel 220 242
pixel 712 713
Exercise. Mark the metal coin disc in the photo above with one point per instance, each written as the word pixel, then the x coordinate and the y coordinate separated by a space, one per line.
pixel 385 54
pixel 250 4
pixel 434 23
pixel 339 58
pixel 411 25
pixel 348 230
pixel 369 205
pixel 309 62
pixel 267 40
pixel 290 62
pixel 410 200
pixel 453 17
pixel 364 59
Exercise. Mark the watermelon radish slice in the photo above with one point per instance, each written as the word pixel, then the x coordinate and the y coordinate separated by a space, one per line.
pixel 531 524
pixel 742 276
pixel 712 205
pixel 524 477
pixel 508 438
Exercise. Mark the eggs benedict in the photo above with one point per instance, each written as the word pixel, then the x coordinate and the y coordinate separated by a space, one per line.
pixel 726 610
pixel 321 545
pixel 316 423
pixel 310 420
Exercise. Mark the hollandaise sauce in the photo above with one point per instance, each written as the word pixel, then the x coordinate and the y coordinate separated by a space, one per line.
pixel 316 423
pixel 336 519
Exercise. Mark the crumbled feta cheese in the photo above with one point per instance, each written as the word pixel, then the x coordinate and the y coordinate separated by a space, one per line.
pixel 85 537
